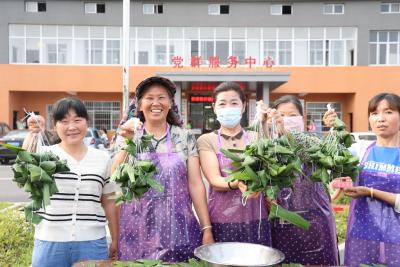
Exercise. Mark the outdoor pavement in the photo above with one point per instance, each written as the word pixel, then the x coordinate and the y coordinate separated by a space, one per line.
pixel 9 191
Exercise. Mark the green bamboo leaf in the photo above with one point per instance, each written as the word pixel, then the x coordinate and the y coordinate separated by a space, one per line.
pixel 248 160
pixel 339 124
pixel 28 187
pixel 53 188
pixel 35 172
pixel 25 156
pixel 272 192
pixel 14 149
pixel 327 161
pixel 46 194
pixel 291 217
pixel 130 171
pixel 61 166
pixel 32 217
pixel 49 167
pixel 353 160
pixel 231 155
pixel 241 176
pixel 251 173
pixel 325 177
pixel 156 185
pixel 339 160
pixel 236 151
pixel 145 164
pixel 282 150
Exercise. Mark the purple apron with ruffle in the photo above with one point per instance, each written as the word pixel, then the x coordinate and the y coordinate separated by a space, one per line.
pixel 161 226
pixel 373 233
pixel 231 220
pixel 318 245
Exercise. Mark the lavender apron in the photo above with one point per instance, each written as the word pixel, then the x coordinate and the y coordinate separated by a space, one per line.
pixel 318 245
pixel 161 225
pixel 373 233
pixel 231 221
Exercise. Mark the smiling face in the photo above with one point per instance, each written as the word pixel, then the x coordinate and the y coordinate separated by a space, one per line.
pixel 72 128
pixel 155 104
pixel 384 120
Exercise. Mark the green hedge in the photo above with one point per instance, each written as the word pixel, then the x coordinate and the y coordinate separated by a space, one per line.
pixel 341 224
pixel 4 205
pixel 16 239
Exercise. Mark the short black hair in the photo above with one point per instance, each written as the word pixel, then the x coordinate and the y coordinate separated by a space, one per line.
pixel 392 99
pixel 289 99
pixel 64 105
pixel 229 86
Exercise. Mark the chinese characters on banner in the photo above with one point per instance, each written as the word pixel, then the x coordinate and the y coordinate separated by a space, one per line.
pixel 214 62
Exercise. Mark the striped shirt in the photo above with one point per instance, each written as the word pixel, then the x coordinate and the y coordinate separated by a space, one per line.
pixel 75 213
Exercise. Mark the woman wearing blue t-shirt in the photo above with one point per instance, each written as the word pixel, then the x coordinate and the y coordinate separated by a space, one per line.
pixel 373 234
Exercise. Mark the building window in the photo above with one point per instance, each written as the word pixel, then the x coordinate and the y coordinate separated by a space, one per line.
pixel 281 9
pixel 270 49
pixel 239 50
pixel 384 48
pixel 102 114
pixel 333 9
pixel 150 9
pixel 206 51
pixel 336 52
pixel 390 8
pixel 160 52
pixel 316 110
pixel 285 53
pixel 93 8
pixel 32 50
pixel 218 9
pixel 33 6
pixel 96 56
pixel 298 46
pixel 113 51
pixel 316 52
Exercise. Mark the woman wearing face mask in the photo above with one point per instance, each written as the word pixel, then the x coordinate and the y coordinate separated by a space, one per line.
pixel 373 231
pixel 161 225
pixel 318 245
pixel 231 220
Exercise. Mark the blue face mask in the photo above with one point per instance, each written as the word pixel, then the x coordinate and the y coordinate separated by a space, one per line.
pixel 229 117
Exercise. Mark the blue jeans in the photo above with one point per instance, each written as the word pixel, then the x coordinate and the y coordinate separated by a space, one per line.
pixel 65 254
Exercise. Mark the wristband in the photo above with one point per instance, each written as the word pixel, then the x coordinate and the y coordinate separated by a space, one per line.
pixel 206 227
pixel 230 187
pixel 371 191
pixel 397 204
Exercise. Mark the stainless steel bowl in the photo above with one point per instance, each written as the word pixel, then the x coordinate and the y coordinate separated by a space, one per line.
pixel 238 254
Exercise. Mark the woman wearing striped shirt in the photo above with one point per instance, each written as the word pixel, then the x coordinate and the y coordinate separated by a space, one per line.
pixel 73 225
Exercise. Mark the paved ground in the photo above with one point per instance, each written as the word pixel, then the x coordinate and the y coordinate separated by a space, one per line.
pixel 9 190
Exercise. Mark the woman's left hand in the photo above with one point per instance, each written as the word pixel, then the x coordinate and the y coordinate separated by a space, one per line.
pixel 243 188
pixel 113 251
pixel 262 111
pixel 208 237
pixel 357 191
pixel 329 118
pixel 269 202
pixel 274 117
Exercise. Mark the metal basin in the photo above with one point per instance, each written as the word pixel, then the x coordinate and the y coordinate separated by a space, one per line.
pixel 238 254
